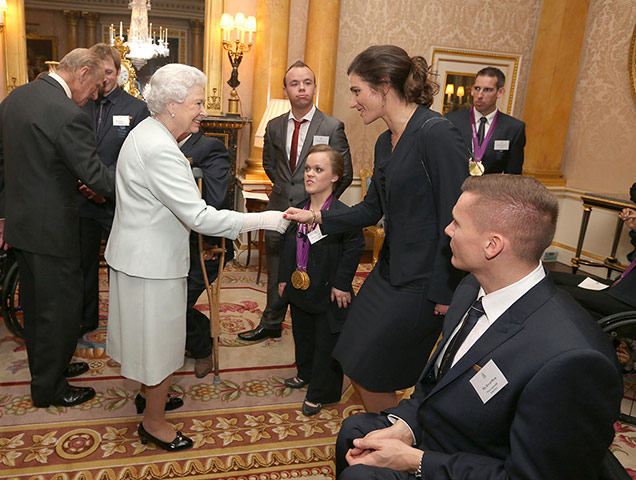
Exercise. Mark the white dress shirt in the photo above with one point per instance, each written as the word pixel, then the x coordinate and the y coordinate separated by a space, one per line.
pixel 302 132
pixel 61 81
pixel 489 118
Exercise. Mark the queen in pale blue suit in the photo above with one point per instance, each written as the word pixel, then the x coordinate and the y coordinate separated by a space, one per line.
pixel 158 203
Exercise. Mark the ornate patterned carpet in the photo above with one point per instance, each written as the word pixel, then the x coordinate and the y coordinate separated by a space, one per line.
pixel 249 426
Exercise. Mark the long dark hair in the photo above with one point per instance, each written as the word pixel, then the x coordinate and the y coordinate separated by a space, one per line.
pixel 389 64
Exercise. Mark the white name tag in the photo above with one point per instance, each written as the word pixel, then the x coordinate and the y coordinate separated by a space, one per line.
pixel 488 381
pixel 502 144
pixel 321 140
pixel 315 235
pixel 121 121
pixel 591 284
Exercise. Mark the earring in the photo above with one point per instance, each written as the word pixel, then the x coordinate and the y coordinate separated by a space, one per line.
pixel 172 115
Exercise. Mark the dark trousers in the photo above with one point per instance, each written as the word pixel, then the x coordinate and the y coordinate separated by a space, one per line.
pixel 314 344
pixel 598 302
pixel 51 296
pixel 357 426
pixel 198 331
pixel 274 312
pixel 91 232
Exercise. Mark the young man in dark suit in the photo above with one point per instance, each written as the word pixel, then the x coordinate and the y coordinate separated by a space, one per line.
pixel 210 155
pixel 115 113
pixel 48 144
pixel 523 383
pixel 494 138
pixel 288 138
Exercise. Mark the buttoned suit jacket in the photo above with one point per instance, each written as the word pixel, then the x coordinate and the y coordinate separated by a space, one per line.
pixel 109 140
pixel 158 203
pixel 48 144
pixel 507 128
pixel 288 187
pixel 554 418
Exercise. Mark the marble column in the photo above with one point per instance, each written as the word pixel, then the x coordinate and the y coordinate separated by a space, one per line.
pixel 196 27
pixel 213 56
pixel 72 29
pixel 321 48
pixel 93 35
pixel 555 64
pixel 270 64
pixel 14 37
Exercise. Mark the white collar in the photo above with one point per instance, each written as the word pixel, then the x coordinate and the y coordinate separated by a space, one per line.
pixel 489 117
pixel 308 116
pixel 62 82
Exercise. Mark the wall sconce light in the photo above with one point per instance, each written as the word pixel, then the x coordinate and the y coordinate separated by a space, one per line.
pixel 450 89
pixel 3 10
pixel 236 49
pixel 460 93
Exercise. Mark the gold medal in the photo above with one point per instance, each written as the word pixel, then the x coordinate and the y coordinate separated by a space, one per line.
pixel 476 169
pixel 300 280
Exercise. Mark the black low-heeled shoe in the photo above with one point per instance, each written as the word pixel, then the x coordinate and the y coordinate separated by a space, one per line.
pixel 180 442
pixel 309 410
pixel 295 382
pixel 171 404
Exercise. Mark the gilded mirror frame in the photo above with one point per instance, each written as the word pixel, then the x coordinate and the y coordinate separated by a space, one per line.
pixel 631 64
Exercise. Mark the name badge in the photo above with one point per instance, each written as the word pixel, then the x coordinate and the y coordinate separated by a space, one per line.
pixel 502 144
pixel 315 235
pixel 488 381
pixel 321 140
pixel 121 121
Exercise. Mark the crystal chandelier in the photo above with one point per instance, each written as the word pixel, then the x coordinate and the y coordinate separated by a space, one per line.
pixel 141 40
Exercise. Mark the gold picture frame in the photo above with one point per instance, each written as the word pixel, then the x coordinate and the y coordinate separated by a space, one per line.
pixel 631 64
pixel 40 49
pixel 460 66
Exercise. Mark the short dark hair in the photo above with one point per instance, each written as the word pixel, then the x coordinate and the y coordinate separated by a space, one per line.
pixel 389 64
pixel 106 52
pixel 493 72
pixel 520 207
pixel 297 64
pixel 335 158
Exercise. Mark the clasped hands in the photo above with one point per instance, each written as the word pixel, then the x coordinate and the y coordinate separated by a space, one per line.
pixel 628 215
pixel 91 195
pixel 389 447
pixel 343 298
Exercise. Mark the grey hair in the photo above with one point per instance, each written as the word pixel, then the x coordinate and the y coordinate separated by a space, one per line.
pixel 171 83
pixel 79 58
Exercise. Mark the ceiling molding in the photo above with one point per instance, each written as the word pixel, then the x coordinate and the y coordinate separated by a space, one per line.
pixel 185 9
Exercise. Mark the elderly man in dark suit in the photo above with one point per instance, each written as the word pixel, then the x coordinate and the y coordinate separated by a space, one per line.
pixel 210 155
pixel 288 138
pixel 48 144
pixel 495 139
pixel 523 383
pixel 115 113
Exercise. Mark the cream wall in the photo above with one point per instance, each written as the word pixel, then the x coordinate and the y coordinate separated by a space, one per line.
pixel 600 150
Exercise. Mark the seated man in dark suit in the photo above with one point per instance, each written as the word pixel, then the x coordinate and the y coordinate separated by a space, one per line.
pixel 495 139
pixel 620 294
pixel 210 155
pixel 523 383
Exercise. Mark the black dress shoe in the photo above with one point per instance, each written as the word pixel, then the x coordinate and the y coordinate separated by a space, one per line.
pixel 73 396
pixel 259 333
pixel 171 404
pixel 309 410
pixel 295 382
pixel 180 442
pixel 76 369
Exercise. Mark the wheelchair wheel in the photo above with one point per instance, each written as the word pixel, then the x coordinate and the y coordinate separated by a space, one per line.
pixel 621 329
pixel 11 304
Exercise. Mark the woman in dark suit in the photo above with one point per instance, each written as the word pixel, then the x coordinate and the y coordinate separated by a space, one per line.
pixel 320 297
pixel 420 164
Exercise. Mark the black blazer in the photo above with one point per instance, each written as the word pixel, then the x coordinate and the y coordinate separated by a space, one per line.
pixel 109 141
pixel 332 262
pixel 48 143
pixel 211 156
pixel 288 187
pixel 415 187
pixel 553 420
pixel 507 128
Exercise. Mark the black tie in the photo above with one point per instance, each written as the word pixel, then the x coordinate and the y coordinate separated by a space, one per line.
pixel 101 114
pixel 482 130
pixel 475 312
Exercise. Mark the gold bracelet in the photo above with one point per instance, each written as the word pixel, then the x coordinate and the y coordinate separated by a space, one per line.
pixel 313 216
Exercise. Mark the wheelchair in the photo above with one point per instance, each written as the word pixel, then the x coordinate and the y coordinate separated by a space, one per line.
pixel 10 293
